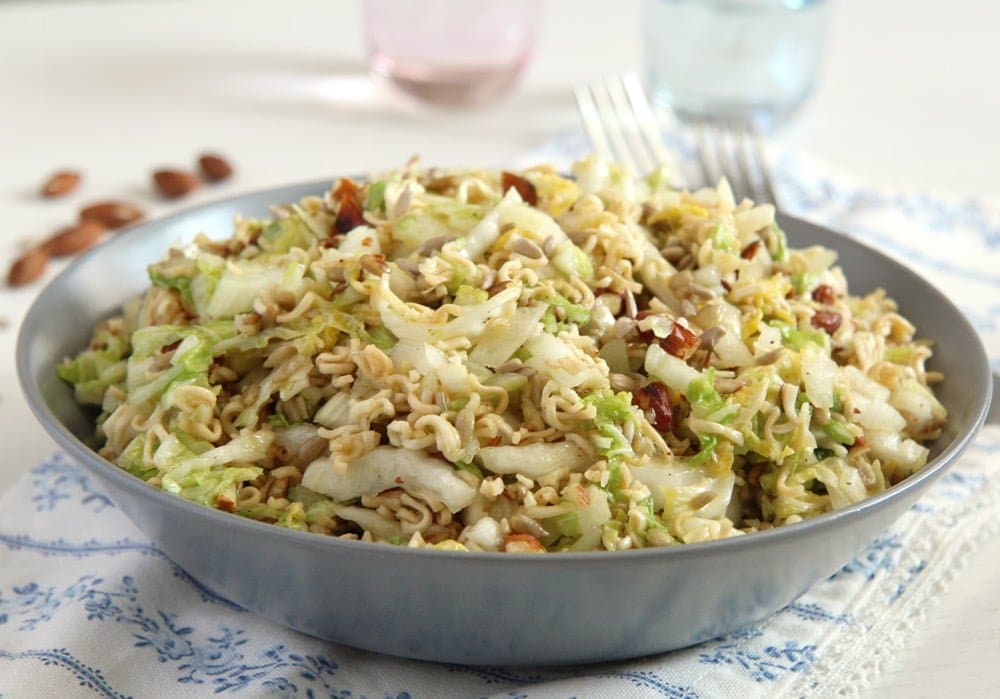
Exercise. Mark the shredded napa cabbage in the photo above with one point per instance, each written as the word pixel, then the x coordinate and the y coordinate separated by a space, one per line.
pixel 521 362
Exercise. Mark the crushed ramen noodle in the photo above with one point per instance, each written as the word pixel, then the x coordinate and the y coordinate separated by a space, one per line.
pixel 490 361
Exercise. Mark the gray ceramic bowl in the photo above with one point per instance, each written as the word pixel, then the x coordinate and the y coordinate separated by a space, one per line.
pixel 477 607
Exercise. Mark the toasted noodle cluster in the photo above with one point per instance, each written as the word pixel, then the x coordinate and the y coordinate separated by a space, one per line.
pixel 487 361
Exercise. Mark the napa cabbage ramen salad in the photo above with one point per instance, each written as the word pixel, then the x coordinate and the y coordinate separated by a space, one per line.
pixel 517 362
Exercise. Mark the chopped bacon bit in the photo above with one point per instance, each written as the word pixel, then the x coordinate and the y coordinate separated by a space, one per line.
pixel 523 187
pixel 750 250
pixel 824 293
pixel 522 543
pixel 653 400
pixel 826 320
pixel 681 342
pixel 349 215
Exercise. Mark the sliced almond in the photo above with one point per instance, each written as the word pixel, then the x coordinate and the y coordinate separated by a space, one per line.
pixel 113 214
pixel 61 183
pixel 174 184
pixel 74 239
pixel 28 267
pixel 214 168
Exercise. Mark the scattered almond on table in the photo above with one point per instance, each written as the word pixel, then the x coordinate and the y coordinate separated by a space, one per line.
pixel 74 239
pixel 174 184
pixel 214 167
pixel 100 217
pixel 113 214
pixel 61 183
pixel 28 267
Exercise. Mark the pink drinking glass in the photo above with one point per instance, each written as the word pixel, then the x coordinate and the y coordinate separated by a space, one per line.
pixel 451 52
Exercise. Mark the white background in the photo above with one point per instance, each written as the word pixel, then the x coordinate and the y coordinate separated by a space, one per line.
pixel 908 97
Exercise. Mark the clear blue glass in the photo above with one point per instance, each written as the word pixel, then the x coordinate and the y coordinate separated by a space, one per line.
pixel 742 59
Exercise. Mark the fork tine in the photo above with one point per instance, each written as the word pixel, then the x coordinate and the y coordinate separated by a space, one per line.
pixel 735 150
pixel 741 163
pixel 629 125
pixel 592 121
pixel 707 155
pixel 763 166
pixel 745 161
pixel 649 126
pixel 613 126
pixel 752 161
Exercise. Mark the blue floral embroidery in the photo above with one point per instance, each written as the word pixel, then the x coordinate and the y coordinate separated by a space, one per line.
pixel 988 447
pixel 912 572
pixel 936 213
pixel 36 605
pixel 650 680
pixel 647 679
pixel 219 659
pixel 767 665
pixel 495 675
pixel 814 612
pixel 57 480
pixel 88 677
pixel 879 555
pixel 61 547
pixel 958 486
pixel 822 192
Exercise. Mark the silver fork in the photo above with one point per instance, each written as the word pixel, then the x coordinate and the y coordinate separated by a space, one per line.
pixel 734 149
pixel 622 126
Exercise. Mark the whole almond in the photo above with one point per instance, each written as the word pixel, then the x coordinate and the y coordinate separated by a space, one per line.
pixel 174 184
pixel 214 168
pixel 61 183
pixel 113 214
pixel 28 267
pixel 74 239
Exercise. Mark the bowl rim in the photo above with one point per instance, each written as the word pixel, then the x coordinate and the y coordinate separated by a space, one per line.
pixel 122 479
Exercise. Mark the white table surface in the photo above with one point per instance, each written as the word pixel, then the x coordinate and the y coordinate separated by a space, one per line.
pixel 907 98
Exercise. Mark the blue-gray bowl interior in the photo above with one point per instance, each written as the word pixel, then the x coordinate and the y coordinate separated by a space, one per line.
pixel 478 607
